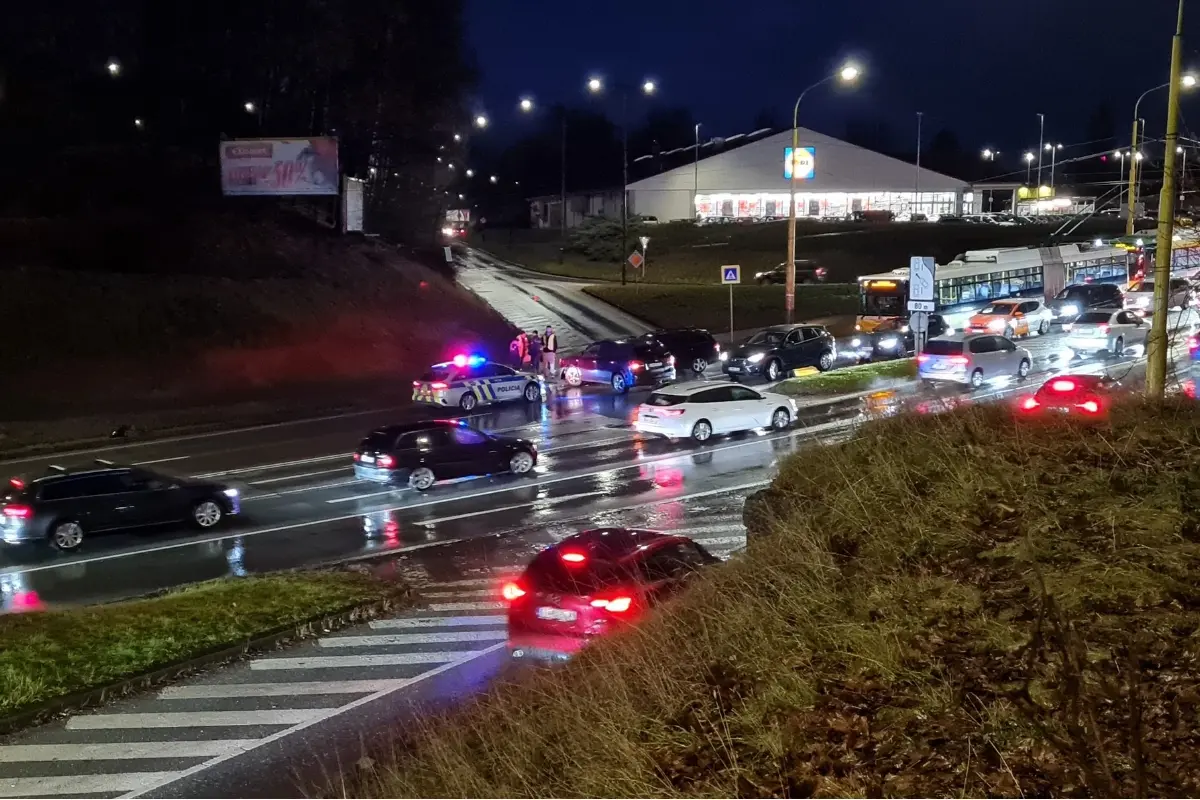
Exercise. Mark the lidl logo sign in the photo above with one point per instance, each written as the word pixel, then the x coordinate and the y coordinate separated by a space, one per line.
pixel 799 163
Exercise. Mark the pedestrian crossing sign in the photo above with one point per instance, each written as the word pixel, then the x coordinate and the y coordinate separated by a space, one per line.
pixel 731 274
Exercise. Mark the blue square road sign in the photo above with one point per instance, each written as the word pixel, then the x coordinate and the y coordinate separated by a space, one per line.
pixel 731 274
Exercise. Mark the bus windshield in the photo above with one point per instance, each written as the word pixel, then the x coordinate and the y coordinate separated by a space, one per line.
pixel 882 305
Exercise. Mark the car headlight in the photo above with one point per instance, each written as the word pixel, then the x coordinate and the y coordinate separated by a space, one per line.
pixel 856 342
pixel 723 355
pixel 889 343
pixel 231 492
pixel 904 329
pixel 756 357
pixel 996 325
pixel 759 274
pixel 949 332
pixel 1070 310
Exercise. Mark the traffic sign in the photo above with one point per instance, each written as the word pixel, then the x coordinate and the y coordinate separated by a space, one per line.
pixel 731 273
pixel 645 240
pixel 636 259
pixel 920 305
pixel 919 321
pixel 920 279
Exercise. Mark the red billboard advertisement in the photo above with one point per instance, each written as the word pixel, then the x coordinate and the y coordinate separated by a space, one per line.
pixel 280 166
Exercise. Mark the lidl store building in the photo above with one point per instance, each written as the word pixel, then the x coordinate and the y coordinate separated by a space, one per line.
pixel 835 178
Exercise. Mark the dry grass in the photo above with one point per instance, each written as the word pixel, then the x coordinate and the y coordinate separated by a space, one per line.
pixel 1028 627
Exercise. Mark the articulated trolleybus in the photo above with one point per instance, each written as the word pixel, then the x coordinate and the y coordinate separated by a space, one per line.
pixel 978 277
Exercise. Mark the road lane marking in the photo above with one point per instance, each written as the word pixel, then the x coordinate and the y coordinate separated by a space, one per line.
pixel 338 662
pixel 468 606
pixel 113 751
pixel 260 481
pixel 291 526
pixel 398 639
pixel 64 785
pixel 221 691
pixel 542 501
pixel 434 622
pixel 160 461
pixel 190 719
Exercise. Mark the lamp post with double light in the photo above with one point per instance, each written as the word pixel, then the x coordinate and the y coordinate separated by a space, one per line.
pixel 1187 82
pixel 847 74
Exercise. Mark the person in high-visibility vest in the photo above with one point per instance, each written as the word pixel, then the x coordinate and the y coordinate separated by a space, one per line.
pixel 550 352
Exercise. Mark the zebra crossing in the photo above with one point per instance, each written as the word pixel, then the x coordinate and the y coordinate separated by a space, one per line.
pixel 135 746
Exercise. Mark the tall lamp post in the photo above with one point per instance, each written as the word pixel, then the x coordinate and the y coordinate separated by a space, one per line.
pixel 648 87
pixel 527 106
pixel 1122 155
pixel 1184 81
pixel 1052 148
pixel 1156 342
pixel 1028 168
pixel 848 74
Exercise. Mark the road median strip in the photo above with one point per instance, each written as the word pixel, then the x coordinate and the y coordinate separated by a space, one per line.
pixel 852 381
pixel 63 660
pixel 1027 628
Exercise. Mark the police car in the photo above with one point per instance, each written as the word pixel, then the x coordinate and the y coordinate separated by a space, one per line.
pixel 470 381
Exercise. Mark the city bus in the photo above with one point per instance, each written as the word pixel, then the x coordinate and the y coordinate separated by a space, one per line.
pixel 978 277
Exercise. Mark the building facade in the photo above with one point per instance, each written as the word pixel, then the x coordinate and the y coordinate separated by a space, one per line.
pixel 834 180
pixel 546 211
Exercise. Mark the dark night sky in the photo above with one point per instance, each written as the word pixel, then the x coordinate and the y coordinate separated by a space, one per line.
pixel 982 69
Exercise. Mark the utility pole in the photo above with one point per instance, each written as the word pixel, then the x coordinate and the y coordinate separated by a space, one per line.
pixel 696 173
pixel 917 171
pixel 1133 168
pixel 1157 343
pixel 1041 144
pixel 624 182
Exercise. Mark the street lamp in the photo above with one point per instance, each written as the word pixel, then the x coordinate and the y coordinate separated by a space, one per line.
pixel 1028 167
pixel 114 67
pixel 989 154
pixel 470 173
pixel 1053 150
pixel 1187 81
pixel 494 179
pixel 249 106
pixel 526 104
pixel 481 121
pixel 595 85
pixel 137 123
pixel 458 137
pixel 847 74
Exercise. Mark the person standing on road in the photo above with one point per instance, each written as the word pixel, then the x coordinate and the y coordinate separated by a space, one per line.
pixel 524 337
pixel 550 352
pixel 535 352
pixel 516 351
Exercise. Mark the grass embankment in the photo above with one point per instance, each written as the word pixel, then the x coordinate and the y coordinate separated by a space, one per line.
pixel 46 655
pixel 708 306
pixel 846 380
pixel 685 253
pixel 962 604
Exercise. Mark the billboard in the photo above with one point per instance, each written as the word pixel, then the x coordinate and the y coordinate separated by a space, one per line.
pixel 280 166
pixel 799 164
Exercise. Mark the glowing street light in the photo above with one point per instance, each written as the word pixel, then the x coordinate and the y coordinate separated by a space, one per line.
pixel 249 106
pixel 450 165
pixel 494 179
pixel 648 87
pixel 526 104
pixel 1053 149
pixel 137 123
pixel 458 137
pixel 848 73
pixel 595 84
pixel 481 121
pixel 1028 166
pixel 113 67
pixel 990 154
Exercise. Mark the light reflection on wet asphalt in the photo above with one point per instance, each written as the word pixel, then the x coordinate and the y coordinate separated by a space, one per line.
pixel 593 469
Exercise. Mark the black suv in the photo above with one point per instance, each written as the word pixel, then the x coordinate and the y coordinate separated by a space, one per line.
pixel 422 453
pixel 64 506
pixel 692 347
pixel 1074 300
pixel 806 272
pixel 620 364
pixel 888 343
pixel 773 352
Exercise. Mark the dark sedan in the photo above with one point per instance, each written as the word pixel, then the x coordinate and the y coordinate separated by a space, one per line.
pixel 776 351
pixel 66 505
pixel 423 453
pixel 620 363
pixel 884 345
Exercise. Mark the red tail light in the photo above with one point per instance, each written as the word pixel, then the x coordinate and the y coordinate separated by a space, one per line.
pixel 1063 386
pixel 960 360
pixel 572 557
pixel 385 461
pixel 716 347
pixel 1193 342
pixel 512 591
pixel 18 511
pixel 358 456
pixel 617 605
pixel 1090 406
pixel 634 366
pixel 437 385
pixel 416 384
pixel 1104 329
pixel 670 361
pixel 922 358
pixel 670 412
pixel 16 483
pixel 1029 403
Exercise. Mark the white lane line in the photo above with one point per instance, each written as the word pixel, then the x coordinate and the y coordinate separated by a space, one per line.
pixel 692 532
pixel 473 606
pixel 261 481
pixel 299 462
pixel 266 495
pixel 111 751
pixel 217 691
pixel 67 785
pixel 545 501
pixel 190 719
pixel 378 660
pixel 398 639
pixel 323 714
pixel 160 461
pixel 461 594
pixel 437 622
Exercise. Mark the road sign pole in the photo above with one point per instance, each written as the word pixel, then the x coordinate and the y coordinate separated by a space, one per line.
pixel 731 274
pixel 731 315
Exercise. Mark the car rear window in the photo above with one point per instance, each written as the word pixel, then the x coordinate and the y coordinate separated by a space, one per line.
pixel 379 440
pixel 943 347
pixel 1093 317
pixel 549 573
pixel 664 399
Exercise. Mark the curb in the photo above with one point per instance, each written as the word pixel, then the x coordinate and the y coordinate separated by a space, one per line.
pixel 88 698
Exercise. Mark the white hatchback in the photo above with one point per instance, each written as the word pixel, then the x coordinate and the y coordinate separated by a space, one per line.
pixel 699 409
